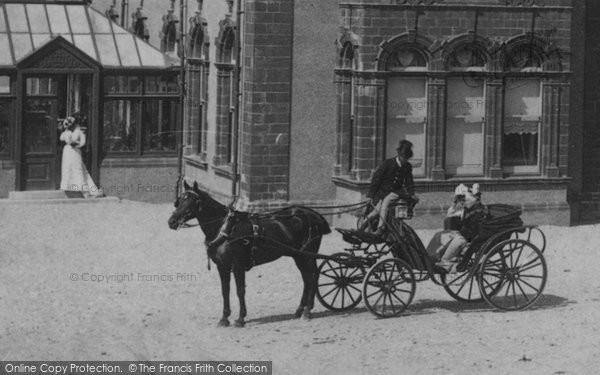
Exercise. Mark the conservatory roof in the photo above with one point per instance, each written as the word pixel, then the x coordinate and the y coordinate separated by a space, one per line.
pixel 26 27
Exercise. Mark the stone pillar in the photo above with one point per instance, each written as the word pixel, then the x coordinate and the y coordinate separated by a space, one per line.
pixel 267 75
pixel 551 108
pixel 344 119
pixel 436 132
pixel 494 109
pixel 365 126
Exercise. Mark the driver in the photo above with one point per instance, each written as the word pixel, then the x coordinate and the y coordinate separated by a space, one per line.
pixel 391 180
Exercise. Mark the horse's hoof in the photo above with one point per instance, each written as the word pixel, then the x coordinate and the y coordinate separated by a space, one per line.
pixel 239 323
pixel 223 323
pixel 299 312
pixel 306 315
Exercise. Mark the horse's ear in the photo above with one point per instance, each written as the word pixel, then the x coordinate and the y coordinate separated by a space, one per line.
pixel 195 186
pixel 185 185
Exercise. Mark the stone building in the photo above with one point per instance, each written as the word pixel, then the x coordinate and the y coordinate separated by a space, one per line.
pixel 481 88
pixel 499 92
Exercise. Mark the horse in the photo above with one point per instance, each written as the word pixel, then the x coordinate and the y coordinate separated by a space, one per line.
pixel 237 241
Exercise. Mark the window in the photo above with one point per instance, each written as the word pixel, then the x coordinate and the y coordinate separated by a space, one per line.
pixel 5 115
pixel 5 120
pixel 120 125
pixel 140 114
pixel 522 119
pixel 465 111
pixel 407 118
pixel 122 85
pixel 5 85
pixel 41 86
pixel 467 58
pixel 159 119
pixel 226 96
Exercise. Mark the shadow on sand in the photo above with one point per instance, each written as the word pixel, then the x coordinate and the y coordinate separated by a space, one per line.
pixel 546 301
pixel 426 307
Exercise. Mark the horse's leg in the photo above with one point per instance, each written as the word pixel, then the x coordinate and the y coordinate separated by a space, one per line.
pixel 225 275
pixel 240 284
pixel 301 264
pixel 311 273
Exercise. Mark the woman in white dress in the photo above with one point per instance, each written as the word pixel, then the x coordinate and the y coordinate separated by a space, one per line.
pixel 74 174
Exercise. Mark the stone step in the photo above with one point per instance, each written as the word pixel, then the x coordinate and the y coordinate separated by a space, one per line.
pixel 43 194
pixel 52 197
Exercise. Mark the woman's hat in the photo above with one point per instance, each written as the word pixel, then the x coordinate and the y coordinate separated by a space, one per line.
pixel 461 189
pixel 405 149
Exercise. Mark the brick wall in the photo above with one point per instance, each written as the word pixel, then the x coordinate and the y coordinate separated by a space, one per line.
pixel 265 127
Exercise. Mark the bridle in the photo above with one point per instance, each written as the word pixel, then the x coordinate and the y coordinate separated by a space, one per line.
pixel 197 199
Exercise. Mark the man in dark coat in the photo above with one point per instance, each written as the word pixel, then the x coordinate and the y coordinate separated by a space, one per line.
pixel 391 180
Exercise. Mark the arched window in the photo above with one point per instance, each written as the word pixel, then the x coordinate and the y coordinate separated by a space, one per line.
pixel 522 111
pixel 197 77
pixel 226 92
pixel 406 115
pixel 465 111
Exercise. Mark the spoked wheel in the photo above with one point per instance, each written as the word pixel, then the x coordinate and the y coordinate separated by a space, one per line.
pixel 339 283
pixel 389 287
pixel 533 235
pixel 513 275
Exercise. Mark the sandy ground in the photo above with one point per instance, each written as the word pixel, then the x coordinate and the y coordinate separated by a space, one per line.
pixel 53 306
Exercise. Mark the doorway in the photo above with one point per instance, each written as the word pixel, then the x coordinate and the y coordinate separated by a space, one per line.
pixel 48 99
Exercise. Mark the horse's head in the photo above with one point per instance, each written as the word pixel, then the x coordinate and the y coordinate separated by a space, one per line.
pixel 187 206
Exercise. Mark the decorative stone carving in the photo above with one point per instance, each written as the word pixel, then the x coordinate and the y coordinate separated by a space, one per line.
pixel 61 60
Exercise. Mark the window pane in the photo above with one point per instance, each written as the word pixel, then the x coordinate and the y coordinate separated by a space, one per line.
pixel 41 86
pixel 107 50
pixel 37 18
pixel 122 84
pixel 21 45
pixel 58 19
pixel 16 18
pixel 464 126
pixel 4 85
pixel 120 125
pixel 160 123
pixel 78 19
pixel 406 118
pixel 5 58
pixel 522 117
pixel 5 109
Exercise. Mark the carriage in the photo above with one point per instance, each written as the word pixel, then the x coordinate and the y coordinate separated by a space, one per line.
pixel 503 266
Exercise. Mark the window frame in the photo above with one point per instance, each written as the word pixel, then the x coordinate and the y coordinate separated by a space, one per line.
pixel 141 97
pixel 9 97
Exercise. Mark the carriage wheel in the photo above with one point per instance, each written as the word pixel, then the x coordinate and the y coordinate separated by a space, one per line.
pixel 533 235
pixel 339 283
pixel 515 271
pixel 389 287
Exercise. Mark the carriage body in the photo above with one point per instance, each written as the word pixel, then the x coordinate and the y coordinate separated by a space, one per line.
pixel 490 269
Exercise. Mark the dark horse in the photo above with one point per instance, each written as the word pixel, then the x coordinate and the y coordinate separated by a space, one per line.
pixel 252 241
